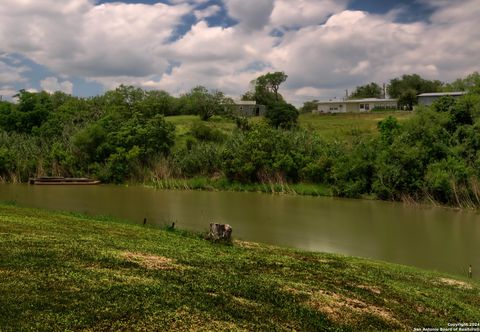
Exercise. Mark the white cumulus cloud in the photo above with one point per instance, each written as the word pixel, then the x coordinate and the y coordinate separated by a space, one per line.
pixel 52 84
pixel 323 47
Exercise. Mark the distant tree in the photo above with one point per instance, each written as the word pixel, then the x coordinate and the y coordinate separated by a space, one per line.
pixel 282 115
pixel 414 82
pixel 207 103
pixel 273 81
pixel 159 102
pixel 309 106
pixel 266 89
pixel 371 90
pixel 471 83
pixel 408 87
pixel 407 99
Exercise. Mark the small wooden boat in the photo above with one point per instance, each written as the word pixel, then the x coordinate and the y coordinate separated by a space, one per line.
pixel 58 180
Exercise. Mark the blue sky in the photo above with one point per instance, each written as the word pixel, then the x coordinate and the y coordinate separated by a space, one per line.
pixel 85 47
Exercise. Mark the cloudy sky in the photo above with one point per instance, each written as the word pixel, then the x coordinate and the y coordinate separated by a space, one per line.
pixel 85 47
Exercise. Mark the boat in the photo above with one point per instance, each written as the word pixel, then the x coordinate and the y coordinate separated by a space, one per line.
pixel 58 180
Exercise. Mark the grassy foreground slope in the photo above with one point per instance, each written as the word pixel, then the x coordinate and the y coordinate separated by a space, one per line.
pixel 67 272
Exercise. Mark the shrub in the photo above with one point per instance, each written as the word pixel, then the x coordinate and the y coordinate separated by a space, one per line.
pixel 282 115
pixel 203 132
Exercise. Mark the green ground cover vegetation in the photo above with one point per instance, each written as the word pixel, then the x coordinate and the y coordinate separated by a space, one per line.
pixel 131 135
pixel 64 271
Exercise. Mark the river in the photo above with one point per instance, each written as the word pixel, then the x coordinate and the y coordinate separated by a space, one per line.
pixel 428 237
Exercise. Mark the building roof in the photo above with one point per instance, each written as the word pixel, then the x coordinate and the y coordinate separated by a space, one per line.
pixel 440 94
pixel 355 101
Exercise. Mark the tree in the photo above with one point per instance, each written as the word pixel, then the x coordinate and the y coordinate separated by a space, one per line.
pixel 273 81
pixel 371 90
pixel 266 89
pixel 282 115
pixel 471 83
pixel 207 103
pixel 408 87
pixel 407 99
pixel 414 82
pixel 309 106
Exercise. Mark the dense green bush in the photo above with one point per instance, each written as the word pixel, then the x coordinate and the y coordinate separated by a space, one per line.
pixel 203 132
pixel 282 115
pixel 264 154
pixel 203 158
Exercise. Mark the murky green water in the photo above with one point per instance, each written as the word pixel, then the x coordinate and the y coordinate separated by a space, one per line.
pixel 433 238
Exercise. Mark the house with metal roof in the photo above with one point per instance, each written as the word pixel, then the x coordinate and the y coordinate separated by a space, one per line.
pixel 355 105
pixel 428 98
pixel 249 108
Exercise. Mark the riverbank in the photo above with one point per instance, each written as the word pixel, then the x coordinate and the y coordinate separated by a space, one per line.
pixel 64 271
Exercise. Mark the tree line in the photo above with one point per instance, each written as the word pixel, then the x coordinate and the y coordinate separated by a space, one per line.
pixel 123 135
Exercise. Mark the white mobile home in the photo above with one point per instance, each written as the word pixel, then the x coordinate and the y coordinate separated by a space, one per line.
pixel 356 105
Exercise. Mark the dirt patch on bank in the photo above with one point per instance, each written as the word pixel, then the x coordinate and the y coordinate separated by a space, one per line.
pixel 455 283
pixel 342 308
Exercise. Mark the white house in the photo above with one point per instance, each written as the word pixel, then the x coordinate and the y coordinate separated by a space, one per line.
pixel 355 105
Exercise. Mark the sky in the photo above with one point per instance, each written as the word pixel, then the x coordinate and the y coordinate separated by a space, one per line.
pixel 85 47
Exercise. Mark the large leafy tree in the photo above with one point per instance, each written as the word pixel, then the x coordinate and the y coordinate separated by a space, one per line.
pixel 206 103
pixel 266 89
pixel 371 90
pixel 408 86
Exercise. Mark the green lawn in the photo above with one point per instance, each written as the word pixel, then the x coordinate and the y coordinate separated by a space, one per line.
pixel 63 271
pixel 341 126
pixel 328 126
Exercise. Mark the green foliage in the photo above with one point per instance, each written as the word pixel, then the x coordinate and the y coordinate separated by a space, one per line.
pixel 122 135
pixel 203 158
pixel 415 83
pixel 309 106
pixel 206 103
pixel 371 90
pixel 352 172
pixel 408 87
pixel 203 132
pixel 282 115
pixel 388 129
pixel 265 154
pixel 444 176
pixel 471 84
pixel 7 161
pixel 30 112
pixel 266 89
